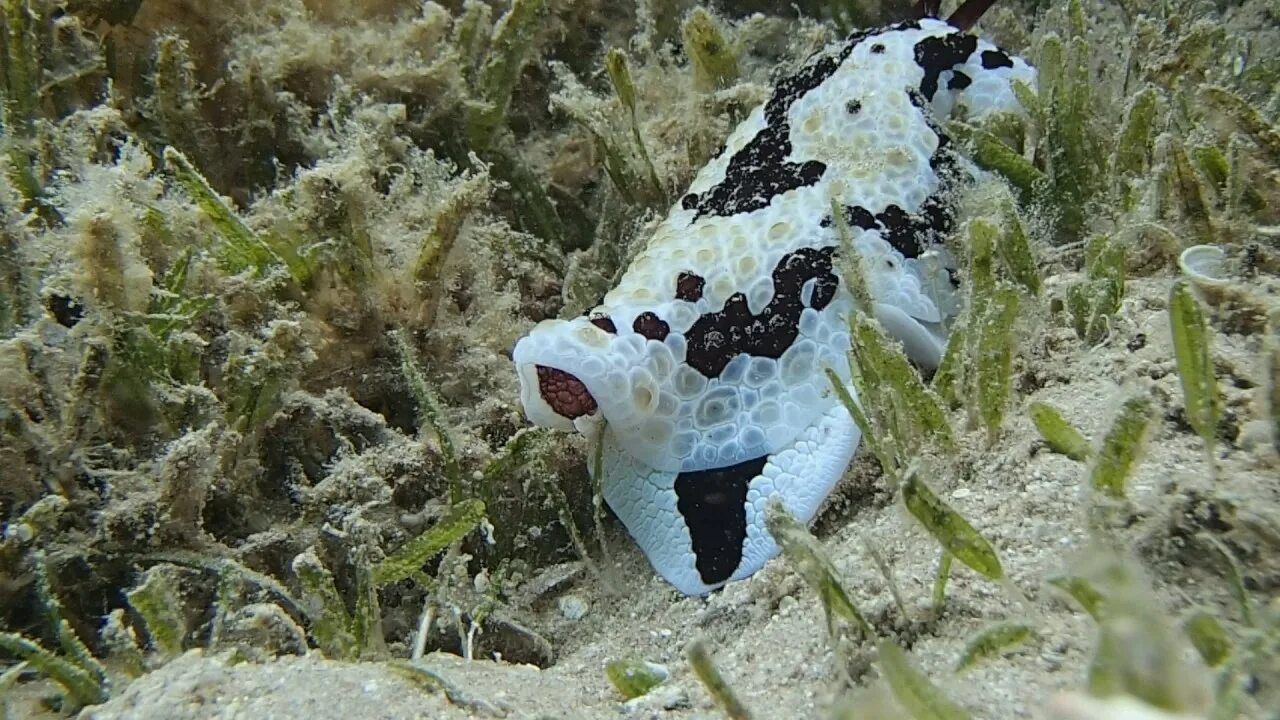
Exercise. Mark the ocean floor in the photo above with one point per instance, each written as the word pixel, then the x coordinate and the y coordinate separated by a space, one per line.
pixel 768 634
pixel 264 264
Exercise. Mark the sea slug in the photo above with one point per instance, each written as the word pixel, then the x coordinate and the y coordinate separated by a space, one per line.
pixel 705 363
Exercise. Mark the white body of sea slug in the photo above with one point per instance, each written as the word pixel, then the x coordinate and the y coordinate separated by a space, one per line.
pixel 705 363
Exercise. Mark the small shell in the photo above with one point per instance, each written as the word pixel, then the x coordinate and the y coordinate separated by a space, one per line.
pixel 1206 266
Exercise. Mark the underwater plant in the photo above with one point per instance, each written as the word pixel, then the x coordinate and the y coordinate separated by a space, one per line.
pixel 262 266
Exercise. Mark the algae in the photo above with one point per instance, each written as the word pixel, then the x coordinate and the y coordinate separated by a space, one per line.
pixel 262 264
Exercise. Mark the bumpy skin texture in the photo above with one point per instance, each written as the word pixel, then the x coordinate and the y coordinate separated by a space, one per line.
pixel 705 362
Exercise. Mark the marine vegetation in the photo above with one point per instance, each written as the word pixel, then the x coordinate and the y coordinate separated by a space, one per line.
pixel 263 266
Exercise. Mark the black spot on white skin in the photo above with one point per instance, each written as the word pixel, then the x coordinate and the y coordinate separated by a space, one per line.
pixel 651 326
pixel 908 233
pixel 605 323
pixel 853 107
pixel 992 59
pixel 759 171
pixel 713 504
pixel 938 54
pixel 718 337
pixel 959 81
pixel 877 49
pixel 856 216
pixel 689 286
pixel 926 227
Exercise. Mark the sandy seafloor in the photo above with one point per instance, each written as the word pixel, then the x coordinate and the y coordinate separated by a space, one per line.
pixel 768 635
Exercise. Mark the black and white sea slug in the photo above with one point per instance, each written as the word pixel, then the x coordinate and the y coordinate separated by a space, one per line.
pixel 705 362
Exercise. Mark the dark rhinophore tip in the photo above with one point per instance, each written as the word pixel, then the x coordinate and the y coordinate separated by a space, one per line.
pixel 968 14
pixel 928 8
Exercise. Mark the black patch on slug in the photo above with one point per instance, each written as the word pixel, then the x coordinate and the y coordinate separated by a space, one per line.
pixel 856 216
pixel 605 323
pixel 903 230
pixel 877 49
pixel 651 326
pixel 938 54
pixel 959 81
pixel 718 337
pixel 908 233
pixel 713 504
pixel 853 107
pixel 992 59
pixel 689 286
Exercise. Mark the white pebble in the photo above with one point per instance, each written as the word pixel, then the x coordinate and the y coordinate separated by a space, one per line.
pixel 573 607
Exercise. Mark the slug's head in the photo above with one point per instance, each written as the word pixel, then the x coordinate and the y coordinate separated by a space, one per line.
pixel 690 462
pixel 551 362
pixel 713 401
pixel 577 373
